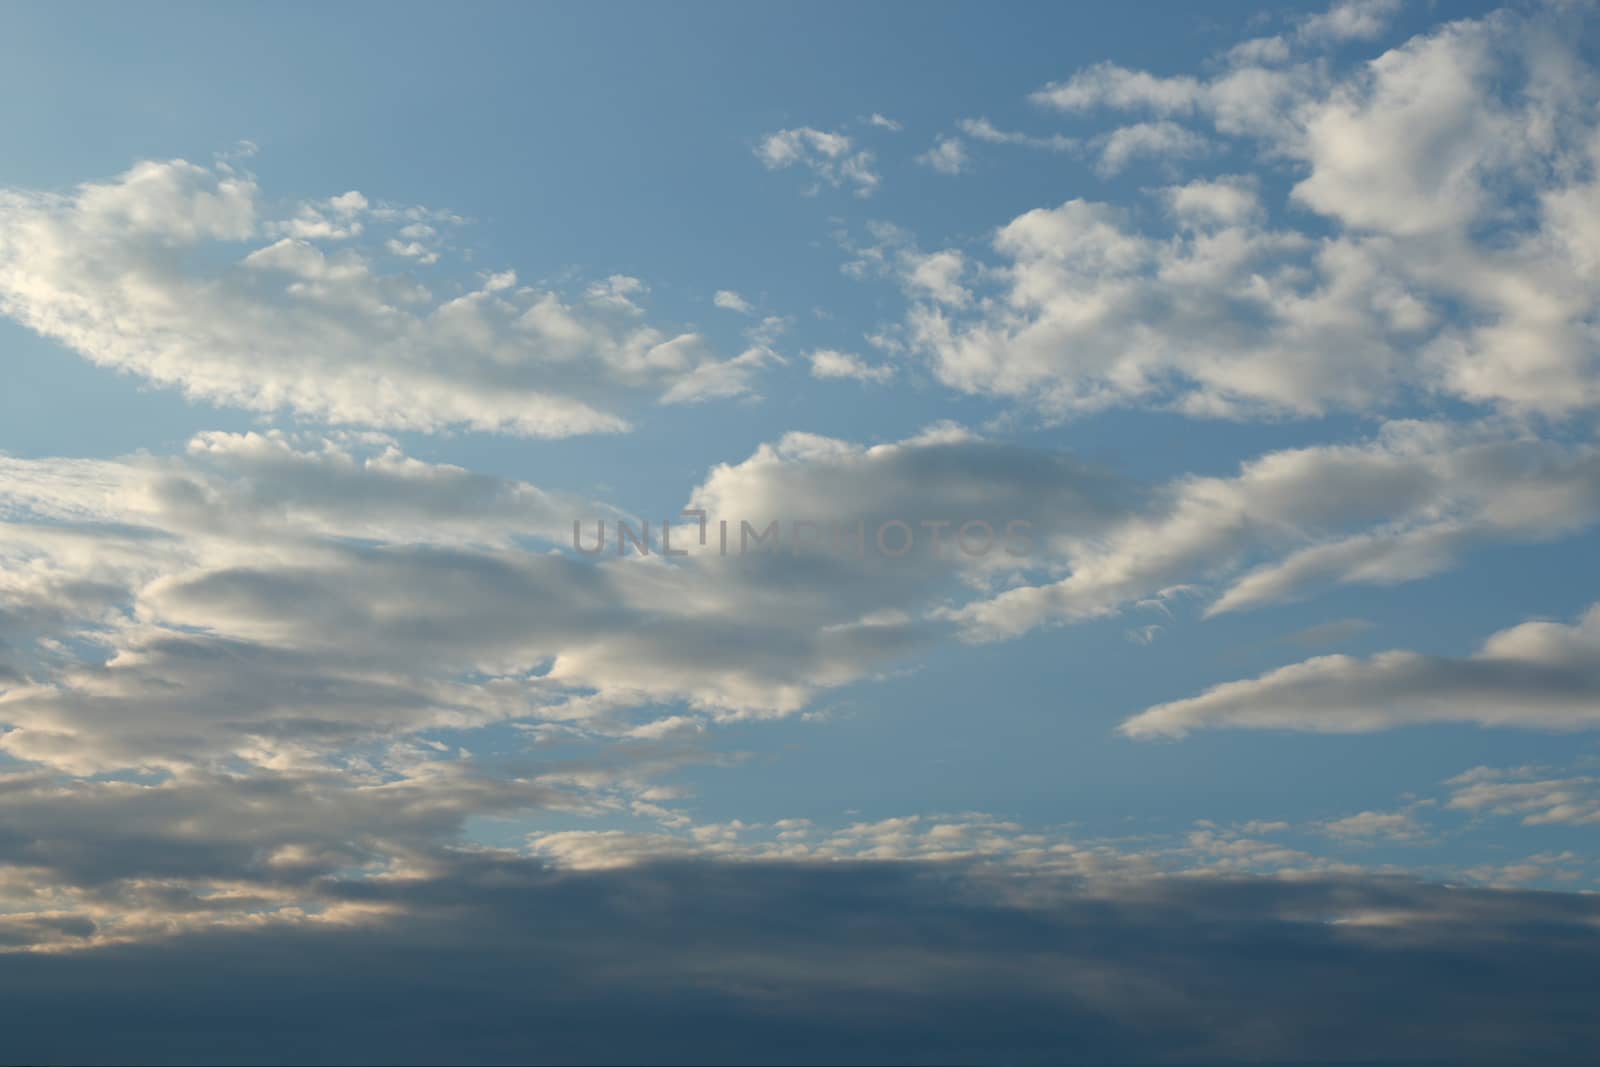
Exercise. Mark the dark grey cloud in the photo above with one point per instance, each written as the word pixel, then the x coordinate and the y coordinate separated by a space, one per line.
pixel 708 962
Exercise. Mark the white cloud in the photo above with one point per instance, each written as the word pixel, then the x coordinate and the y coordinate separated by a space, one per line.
pixel 829 363
pixel 1258 51
pixel 1528 793
pixel 1405 505
pixel 335 219
pixel 1223 319
pixel 1457 172
pixel 412 250
pixel 981 129
pixel 402 596
pixel 1110 85
pixel 1455 168
pixel 160 273
pixel 1228 201
pixel 1369 826
pixel 1349 20
pixel 832 157
pixel 1162 141
pixel 729 300
pixel 1539 675
pixel 947 156
pixel 1431 107
pixel 936 275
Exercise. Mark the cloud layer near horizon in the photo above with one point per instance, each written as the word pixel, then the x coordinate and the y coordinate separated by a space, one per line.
pixel 855 963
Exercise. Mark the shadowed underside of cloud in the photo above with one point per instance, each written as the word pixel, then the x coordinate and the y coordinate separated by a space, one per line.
pixel 505 961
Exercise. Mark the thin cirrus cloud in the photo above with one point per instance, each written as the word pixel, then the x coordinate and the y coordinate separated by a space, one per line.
pixel 178 274
pixel 981 129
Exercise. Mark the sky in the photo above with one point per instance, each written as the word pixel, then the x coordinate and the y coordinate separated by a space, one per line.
pixel 1179 640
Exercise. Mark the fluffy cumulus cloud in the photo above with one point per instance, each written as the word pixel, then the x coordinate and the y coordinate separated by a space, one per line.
pixel 183 276
pixel 1454 182
pixel 1349 20
pixel 1539 675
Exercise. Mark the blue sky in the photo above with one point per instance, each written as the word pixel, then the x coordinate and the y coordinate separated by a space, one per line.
pixel 321 326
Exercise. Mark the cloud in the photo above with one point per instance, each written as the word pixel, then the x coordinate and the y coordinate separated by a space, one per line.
pixel 828 363
pixel 729 300
pixel 1528 793
pixel 417 594
pixel 981 129
pixel 947 156
pixel 1436 91
pixel 1217 319
pixel 1454 177
pixel 265 702
pixel 884 122
pixel 331 591
pixel 1258 51
pixel 1368 826
pixel 1349 20
pixel 831 157
pixel 1226 201
pixel 108 554
pixel 491 960
pixel 935 276
pixel 1406 504
pixel 1539 675
pixel 1113 86
pixel 1162 141
pixel 162 273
